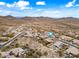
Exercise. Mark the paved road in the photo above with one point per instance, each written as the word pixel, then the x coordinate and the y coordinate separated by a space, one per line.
pixel 12 39
pixel 71 44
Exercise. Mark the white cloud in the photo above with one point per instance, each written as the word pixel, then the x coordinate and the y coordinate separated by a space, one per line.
pixel 45 13
pixel 28 8
pixel 77 5
pixel 40 3
pixel 2 3
pixel 22 3
pixel 22 8
pixel 10 5
pixel 5 12
pixel 70 4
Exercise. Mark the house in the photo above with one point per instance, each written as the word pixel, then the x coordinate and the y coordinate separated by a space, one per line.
pixel 57 45
pixel 50 34
pixel 66 38
pixel 49 40
pixel 76 41
pixel 72 50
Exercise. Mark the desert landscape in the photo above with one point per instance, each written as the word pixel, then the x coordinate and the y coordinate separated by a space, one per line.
pixel 39 37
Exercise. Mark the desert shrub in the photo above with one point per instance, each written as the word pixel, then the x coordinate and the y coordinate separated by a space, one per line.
pixel 77 56
pixel 0 55
pixel 24 46
pixel 77 37
pixel 11 53
pixel 44 42
pixel 5 48
pixel 16 45
pixel 0 35
pixel 60 52
pixel 10 35
pixel 45 53
pixel 31 54
pixel 4 39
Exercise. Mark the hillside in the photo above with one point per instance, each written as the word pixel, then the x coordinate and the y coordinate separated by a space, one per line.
pixel 38 37
pixel 61 24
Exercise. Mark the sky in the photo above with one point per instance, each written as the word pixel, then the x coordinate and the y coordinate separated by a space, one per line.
pixel 37 8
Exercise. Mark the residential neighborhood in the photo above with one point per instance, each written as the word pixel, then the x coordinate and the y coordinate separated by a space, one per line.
pixel 22 40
